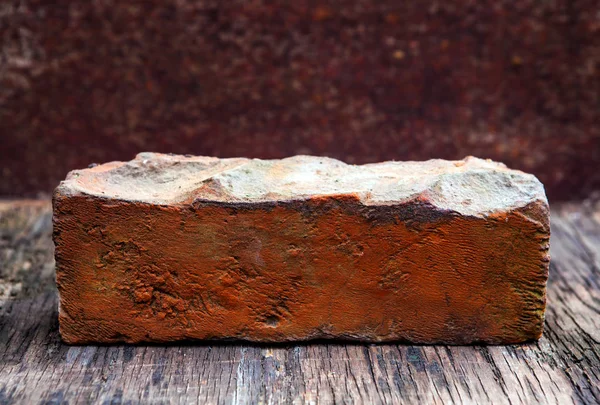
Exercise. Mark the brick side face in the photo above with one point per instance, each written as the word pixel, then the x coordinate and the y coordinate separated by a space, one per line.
pixel 324 267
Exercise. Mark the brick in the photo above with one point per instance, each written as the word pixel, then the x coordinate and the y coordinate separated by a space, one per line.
pixel 168 247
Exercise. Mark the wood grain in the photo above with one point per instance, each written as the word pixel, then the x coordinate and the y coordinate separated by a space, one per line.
pixel 35 367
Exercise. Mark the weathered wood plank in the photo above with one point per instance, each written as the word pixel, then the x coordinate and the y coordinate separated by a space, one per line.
pixel 35 367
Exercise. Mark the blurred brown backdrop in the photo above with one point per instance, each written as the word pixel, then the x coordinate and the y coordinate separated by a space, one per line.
pixel 360 80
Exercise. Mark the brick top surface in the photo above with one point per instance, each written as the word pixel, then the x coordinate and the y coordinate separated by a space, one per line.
pixel 470 186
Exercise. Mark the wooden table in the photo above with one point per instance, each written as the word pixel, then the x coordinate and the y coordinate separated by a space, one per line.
pixel 35 367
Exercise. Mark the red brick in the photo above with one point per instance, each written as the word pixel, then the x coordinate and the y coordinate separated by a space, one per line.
pixel 167 248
